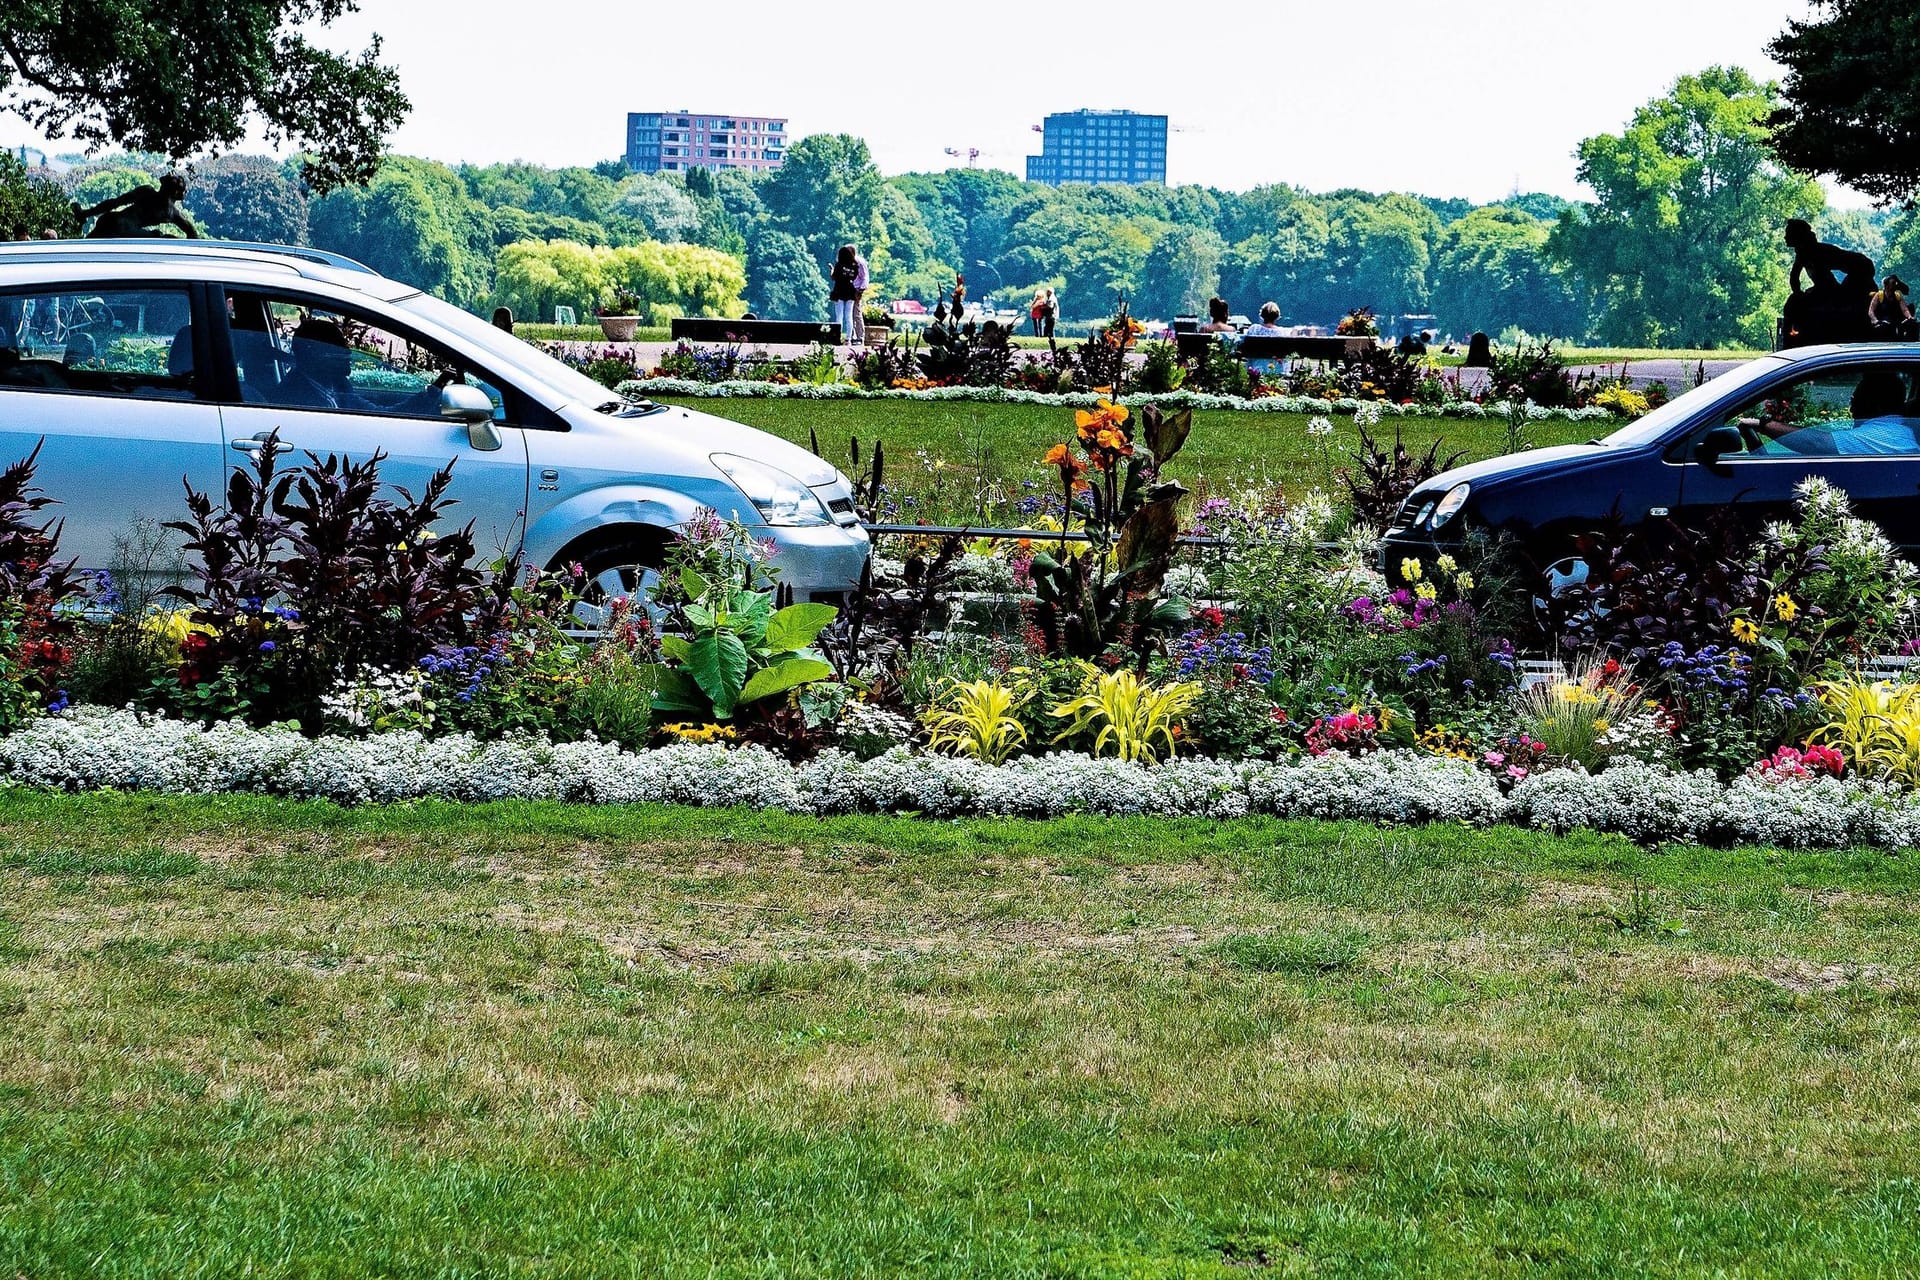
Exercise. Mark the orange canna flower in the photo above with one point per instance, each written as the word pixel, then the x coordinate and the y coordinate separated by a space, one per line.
pixel 1057 456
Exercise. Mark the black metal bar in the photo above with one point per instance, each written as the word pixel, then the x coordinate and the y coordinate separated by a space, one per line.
pixel 1001 535
pixel 1034 535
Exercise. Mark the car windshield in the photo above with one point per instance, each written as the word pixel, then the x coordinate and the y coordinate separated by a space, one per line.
pixel 1657 424
pixel 570 384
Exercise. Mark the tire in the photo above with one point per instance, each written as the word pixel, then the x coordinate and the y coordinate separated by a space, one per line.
pixel 617 562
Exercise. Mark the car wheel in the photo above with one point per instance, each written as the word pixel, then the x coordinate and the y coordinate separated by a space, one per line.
pixel 1559 578
pixel 613 568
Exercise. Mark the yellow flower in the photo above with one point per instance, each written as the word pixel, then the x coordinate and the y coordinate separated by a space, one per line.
pixel 1426 591
pixel 1784 608
pixel 1410 569
pixel 1744 630
pixel 1446 563
pixel 1464 581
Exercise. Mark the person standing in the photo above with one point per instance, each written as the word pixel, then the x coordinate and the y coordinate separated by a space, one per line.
pixel 841 293
pixel 860 283
pixel 1050 314
pixel 1037 311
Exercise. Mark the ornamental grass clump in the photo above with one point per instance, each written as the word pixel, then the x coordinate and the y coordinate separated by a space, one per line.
pixel 976 719
pixel 1573 718
pixel 1876 725
pixel 1134 720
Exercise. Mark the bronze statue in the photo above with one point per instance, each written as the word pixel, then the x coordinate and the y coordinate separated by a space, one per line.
pixel 139 213
pixel 1832 307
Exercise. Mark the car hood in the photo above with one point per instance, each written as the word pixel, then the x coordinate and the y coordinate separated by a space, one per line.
pixel 700 435
pixel 1559 459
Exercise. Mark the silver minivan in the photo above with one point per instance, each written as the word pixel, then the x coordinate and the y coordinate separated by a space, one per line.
pixel 144 363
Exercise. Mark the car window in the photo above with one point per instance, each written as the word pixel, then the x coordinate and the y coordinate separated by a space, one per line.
pixel 1866 410
pixel 293 353
pixel 111 342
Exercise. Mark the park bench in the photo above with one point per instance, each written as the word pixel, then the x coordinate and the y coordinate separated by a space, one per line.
pixel 757 332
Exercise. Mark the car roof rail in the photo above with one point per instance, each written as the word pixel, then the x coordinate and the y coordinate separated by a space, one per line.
pixel 180 247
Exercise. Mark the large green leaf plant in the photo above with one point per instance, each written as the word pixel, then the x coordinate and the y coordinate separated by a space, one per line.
pixel 736 650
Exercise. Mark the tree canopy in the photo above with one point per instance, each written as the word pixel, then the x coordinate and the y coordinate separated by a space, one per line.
pixel 1682 247
pixel 1852 96
pixel 179 78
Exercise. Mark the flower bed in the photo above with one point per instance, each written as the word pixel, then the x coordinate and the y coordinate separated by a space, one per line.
pixel 91 748
pixel 748 388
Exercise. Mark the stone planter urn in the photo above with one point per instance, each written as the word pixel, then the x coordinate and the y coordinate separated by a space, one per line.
pixel 619 328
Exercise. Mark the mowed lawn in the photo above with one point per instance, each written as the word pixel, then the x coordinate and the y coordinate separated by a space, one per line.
pixel 244 1036
pixel 967 462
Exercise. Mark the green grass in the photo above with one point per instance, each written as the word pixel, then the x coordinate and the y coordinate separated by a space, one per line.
pixel 1617 355
pixel 240 1035
pixel 966 462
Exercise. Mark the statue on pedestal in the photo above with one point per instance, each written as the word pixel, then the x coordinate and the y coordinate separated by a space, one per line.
pixel 139 213
pixel 1832 307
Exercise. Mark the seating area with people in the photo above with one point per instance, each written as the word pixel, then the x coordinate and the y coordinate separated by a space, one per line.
pixel 1833 298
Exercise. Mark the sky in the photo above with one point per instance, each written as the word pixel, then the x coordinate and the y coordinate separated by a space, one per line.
pixel 1473 98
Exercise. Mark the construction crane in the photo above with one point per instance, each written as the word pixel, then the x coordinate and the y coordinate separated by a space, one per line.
pixel 971 153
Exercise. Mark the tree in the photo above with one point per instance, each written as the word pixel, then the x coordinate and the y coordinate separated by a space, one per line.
pixel 247 198
pixel 828 193
pixel 533 277
pixel 175 78
pixel 1181 272
pixel 783 279
pixel 1382 245
pixel 31 203
pixel 660 207
pixel 1491 270
pixel 1851 100
pixel 671 279
pixel 414 222
pixel 1682 247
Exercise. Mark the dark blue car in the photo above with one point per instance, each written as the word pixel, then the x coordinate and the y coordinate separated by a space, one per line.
pixel 1743 441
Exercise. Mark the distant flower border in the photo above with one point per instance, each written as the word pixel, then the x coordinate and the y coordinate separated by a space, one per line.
pixel 91 748
pixel 755 389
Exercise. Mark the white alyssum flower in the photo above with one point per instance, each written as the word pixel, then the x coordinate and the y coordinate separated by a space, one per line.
pixel 746 388
pixel 94 747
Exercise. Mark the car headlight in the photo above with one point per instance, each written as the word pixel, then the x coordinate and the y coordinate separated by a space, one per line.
pixel 780 499
pixel 1449 505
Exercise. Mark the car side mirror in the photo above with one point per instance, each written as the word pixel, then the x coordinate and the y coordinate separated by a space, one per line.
pixel 1721 440
pixel 462 403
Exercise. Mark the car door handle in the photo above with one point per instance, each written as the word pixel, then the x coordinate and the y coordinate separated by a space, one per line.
pixel 254 444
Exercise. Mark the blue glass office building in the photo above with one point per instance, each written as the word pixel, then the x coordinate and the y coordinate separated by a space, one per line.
pixel 1100 146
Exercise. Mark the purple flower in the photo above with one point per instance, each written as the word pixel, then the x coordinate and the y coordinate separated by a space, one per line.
pixel 267 646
